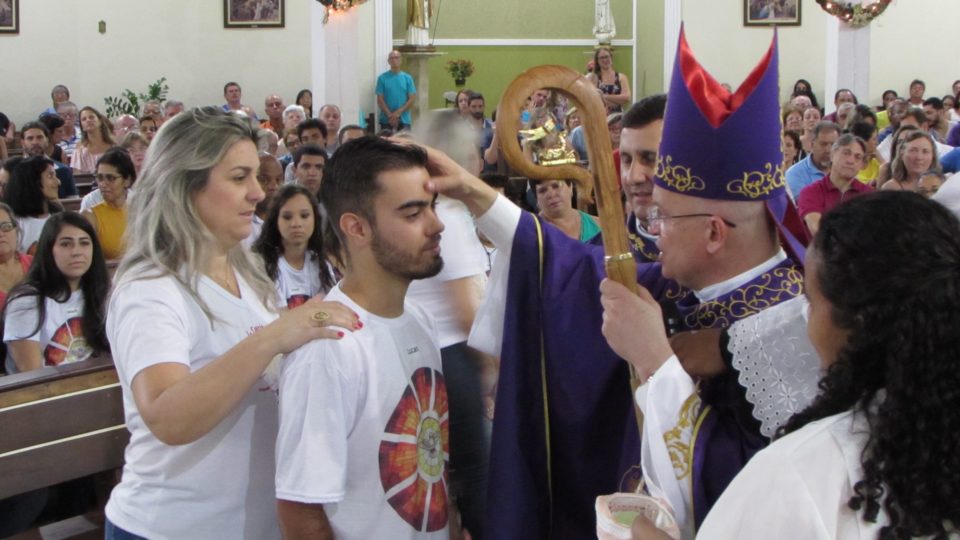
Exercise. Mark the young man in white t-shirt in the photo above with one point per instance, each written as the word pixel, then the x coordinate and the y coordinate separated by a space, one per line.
pixel 363 446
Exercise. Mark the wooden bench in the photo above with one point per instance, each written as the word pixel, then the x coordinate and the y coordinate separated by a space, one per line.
pixel 60 424
pixel 85 183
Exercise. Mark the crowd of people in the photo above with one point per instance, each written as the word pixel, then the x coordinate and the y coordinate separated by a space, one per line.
pixel 313 339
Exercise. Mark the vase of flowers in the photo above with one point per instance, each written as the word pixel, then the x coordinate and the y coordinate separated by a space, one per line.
pixel 460 69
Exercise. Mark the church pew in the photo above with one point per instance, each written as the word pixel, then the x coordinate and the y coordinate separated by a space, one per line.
pixel 71 203
pixel 60 424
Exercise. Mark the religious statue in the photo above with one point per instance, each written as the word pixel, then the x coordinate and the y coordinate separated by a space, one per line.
pixel 418 22
pixel 604 29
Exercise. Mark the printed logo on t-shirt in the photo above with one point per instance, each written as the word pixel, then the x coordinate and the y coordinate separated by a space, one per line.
pixel 415 451
pixel 297 300
pixel 67 344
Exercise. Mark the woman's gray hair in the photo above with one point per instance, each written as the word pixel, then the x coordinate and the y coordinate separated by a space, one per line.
pixel 165 236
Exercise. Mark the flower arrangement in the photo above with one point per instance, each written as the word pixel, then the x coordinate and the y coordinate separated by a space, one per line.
pixel 338 5
pixel 857 15
pixel 460 69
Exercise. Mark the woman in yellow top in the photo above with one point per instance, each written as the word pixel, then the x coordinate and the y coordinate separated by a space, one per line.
pixel 115 175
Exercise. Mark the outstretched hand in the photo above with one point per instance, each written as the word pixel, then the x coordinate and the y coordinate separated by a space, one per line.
pixel 633 326
pixel 449 178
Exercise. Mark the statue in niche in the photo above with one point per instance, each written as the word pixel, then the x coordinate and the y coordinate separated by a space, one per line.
pixel 418 22
pixel 604 29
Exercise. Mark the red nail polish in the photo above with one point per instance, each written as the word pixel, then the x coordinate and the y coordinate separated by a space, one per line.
pixel 339 334
pixel 359 324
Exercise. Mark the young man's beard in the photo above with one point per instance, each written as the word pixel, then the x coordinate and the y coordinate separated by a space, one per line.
pixel 392 258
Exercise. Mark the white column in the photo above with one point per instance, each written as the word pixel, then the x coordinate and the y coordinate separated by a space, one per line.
pixel 382 42
pixel 847 61
pixel 672 17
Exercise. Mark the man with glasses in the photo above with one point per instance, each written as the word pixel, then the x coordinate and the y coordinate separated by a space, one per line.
pixel 720 201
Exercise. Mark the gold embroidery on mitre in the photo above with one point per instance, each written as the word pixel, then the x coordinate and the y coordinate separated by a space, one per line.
pixel 772 288
pixel 680 438
pixel 756 184
pixel 678 177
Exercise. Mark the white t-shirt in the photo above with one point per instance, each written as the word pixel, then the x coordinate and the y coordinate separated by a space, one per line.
pixel 798 488
pixel 463 256
pixel 60 336
pixel 90 200
pixel 30 228
pixel 364 428
pixel 218 485
pixel 294 286
pixel 256 226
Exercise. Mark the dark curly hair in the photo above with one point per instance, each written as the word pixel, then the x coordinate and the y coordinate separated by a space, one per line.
pixel 270 244
pixel 894 285
pixel 45 280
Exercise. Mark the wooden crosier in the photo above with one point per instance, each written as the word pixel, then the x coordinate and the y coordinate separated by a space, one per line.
pixel 618 262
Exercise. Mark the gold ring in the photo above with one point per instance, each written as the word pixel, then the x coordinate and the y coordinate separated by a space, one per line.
pixel 321 316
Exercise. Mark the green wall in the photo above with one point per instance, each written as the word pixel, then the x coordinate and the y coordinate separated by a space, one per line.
pixel 649 47
pixel 515 19
pixel 496 67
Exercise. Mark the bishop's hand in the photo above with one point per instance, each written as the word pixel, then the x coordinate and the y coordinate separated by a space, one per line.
pixel 633 326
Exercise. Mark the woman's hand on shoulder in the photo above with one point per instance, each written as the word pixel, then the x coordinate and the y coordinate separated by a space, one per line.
pixel 316 319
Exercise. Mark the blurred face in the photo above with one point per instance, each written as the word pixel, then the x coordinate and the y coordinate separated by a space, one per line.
pixel 801 87
pixel 573 120
pixel 353 133
pixel 929 185
pixel 309 172
pixel 845 96
pixel 605 59
pixel 270 177
pixel 948 102
pixel 149 129
pixel 291 141
pixel 232 94
pixel 393 60
pixel 846 162
pixel 888 98
pixel 273 106
pixel 810 118
pixel 60 94
pixel 827 338
pixel 789 150
pixel 152 110
pixel 69 115
pixel 638 162
pixel 34 142
pixel 843 113
pixel 406 237
pixel 801 102
pixel 916 91
pixel 331 118
pixel 89 122
pixel 932 114
pixel 956 87
pixel 112 185
pixel 463 103
pixel 137 151
pixel 306 100
pixel 50 184
pixel 553 197
pixel 312 136
pixel 4 180
pixel 614 130
pixel 917 156
pixel 293 119
pixel 226 204
pixel 58 135
pixel 821 148
pixel 296 221
pixel 476 108
pixel 895 114
pixel 124 125
pixel 73 253
pixel 794 121
pixel 172 111
pixel 8 234
pixel 540 98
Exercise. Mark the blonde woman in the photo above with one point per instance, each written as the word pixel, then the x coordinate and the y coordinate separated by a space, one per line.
pixel 193 326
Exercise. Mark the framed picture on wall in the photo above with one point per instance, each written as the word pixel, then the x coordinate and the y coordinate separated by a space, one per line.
pixel 9 16
pixel 771 12
pixel 252 13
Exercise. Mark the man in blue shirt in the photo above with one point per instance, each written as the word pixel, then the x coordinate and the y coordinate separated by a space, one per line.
pixel 395 95
pixel 814 166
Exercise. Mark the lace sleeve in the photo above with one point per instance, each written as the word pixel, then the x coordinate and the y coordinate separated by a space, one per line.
pixel 778 365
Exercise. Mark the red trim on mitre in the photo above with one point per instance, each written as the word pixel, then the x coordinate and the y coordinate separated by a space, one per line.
pixel 713 100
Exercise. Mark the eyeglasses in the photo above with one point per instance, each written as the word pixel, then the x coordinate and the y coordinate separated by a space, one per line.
pixel 103 177
pixel 655 219
pixel 7 226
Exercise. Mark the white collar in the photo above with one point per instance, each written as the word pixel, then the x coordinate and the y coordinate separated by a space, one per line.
pixel 638 229
pixel 712 292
